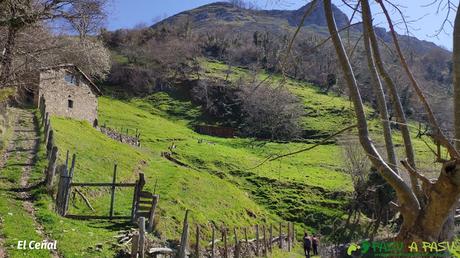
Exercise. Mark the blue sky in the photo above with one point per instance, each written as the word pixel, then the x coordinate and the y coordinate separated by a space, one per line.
pixel 129 13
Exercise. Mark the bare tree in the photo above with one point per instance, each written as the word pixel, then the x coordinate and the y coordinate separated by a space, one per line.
pixel 87 16
pixel 409 204
pixel 89 54
pixel 424 214
pixel 16 16
pixel 269 112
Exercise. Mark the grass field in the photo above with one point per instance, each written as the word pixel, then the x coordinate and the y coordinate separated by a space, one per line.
pixel 222 181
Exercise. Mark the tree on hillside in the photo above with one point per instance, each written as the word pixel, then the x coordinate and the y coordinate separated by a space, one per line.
pixel 23 18
pixel 89 54
pixel 243 4
pixel 86 16
pixel 157 59
pixel 270 112
pixel 427 207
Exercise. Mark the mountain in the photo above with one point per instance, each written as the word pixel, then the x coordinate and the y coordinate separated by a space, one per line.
pixel 279 21
pixel 317 17
pixel 222 13
pixel 228 23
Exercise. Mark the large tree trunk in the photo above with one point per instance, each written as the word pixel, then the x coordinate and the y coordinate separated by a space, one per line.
pixel 7 58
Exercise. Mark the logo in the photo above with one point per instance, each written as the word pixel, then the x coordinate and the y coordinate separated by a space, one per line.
pixel 413 249
pixel 352 248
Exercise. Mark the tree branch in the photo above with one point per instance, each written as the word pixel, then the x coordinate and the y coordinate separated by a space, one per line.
pixel 392 89
pixel 409 203
pixel 442 138
pixel 314 146
pixel 414 172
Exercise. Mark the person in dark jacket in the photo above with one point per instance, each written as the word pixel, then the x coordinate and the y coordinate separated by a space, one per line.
pixel 306 245
pixel 315 243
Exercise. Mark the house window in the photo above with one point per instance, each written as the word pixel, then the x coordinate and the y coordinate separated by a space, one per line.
pixel 71 79
pixel 70 103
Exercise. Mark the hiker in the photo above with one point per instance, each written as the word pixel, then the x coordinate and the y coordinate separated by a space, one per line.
pixel 306 245
pixel 315 243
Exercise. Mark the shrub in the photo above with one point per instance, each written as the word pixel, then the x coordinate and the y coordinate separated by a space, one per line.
pixel 269 112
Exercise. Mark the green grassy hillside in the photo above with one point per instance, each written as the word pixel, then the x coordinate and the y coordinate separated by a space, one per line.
pixel 208 197
pixel 304 178
pixel 222 181
pixel 307 188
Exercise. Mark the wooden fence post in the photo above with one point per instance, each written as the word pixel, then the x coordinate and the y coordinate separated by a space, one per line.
pixel 46 130
pixel 63 171
pixel 289 237
pixel 293 235
pixel 184 237
pixel 46 125
pixel 197 239
pixel 141 237
pixel 224 237
pixel 137 189
pixel 67 159
pixel 63 194
pixel 265 240
pixel 51 170
pixel 60 192
pixel 42 107
pixel 67 187
pixel 49 144
pixel 281 236
pixel 112 197
pixel 213 244
pixel 257 240
pixel 135 246
pixel 45 120
pixel 155 200
pixel 133 207
pixel 270 242
pixel 248 250
pixel 237 244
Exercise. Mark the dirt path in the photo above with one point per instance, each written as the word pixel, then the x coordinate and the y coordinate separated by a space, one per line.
pixel 22 150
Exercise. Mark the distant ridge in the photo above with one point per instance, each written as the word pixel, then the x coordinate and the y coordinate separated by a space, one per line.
pixel 226 14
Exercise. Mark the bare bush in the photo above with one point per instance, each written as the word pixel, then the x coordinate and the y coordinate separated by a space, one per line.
pixel 90 55
pixel 355 160
pixel 156 58
pixel 269 112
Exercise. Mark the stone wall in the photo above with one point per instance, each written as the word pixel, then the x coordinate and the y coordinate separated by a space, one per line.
pixel 58 93
pixel 124 138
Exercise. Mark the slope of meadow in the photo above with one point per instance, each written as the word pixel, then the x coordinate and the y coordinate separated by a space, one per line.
pixel 222 181
pixel 308 188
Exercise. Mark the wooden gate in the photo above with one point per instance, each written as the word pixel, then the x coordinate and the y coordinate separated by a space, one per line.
pixel 143 205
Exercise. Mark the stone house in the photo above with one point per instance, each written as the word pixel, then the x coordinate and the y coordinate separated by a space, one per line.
pixel 68 92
